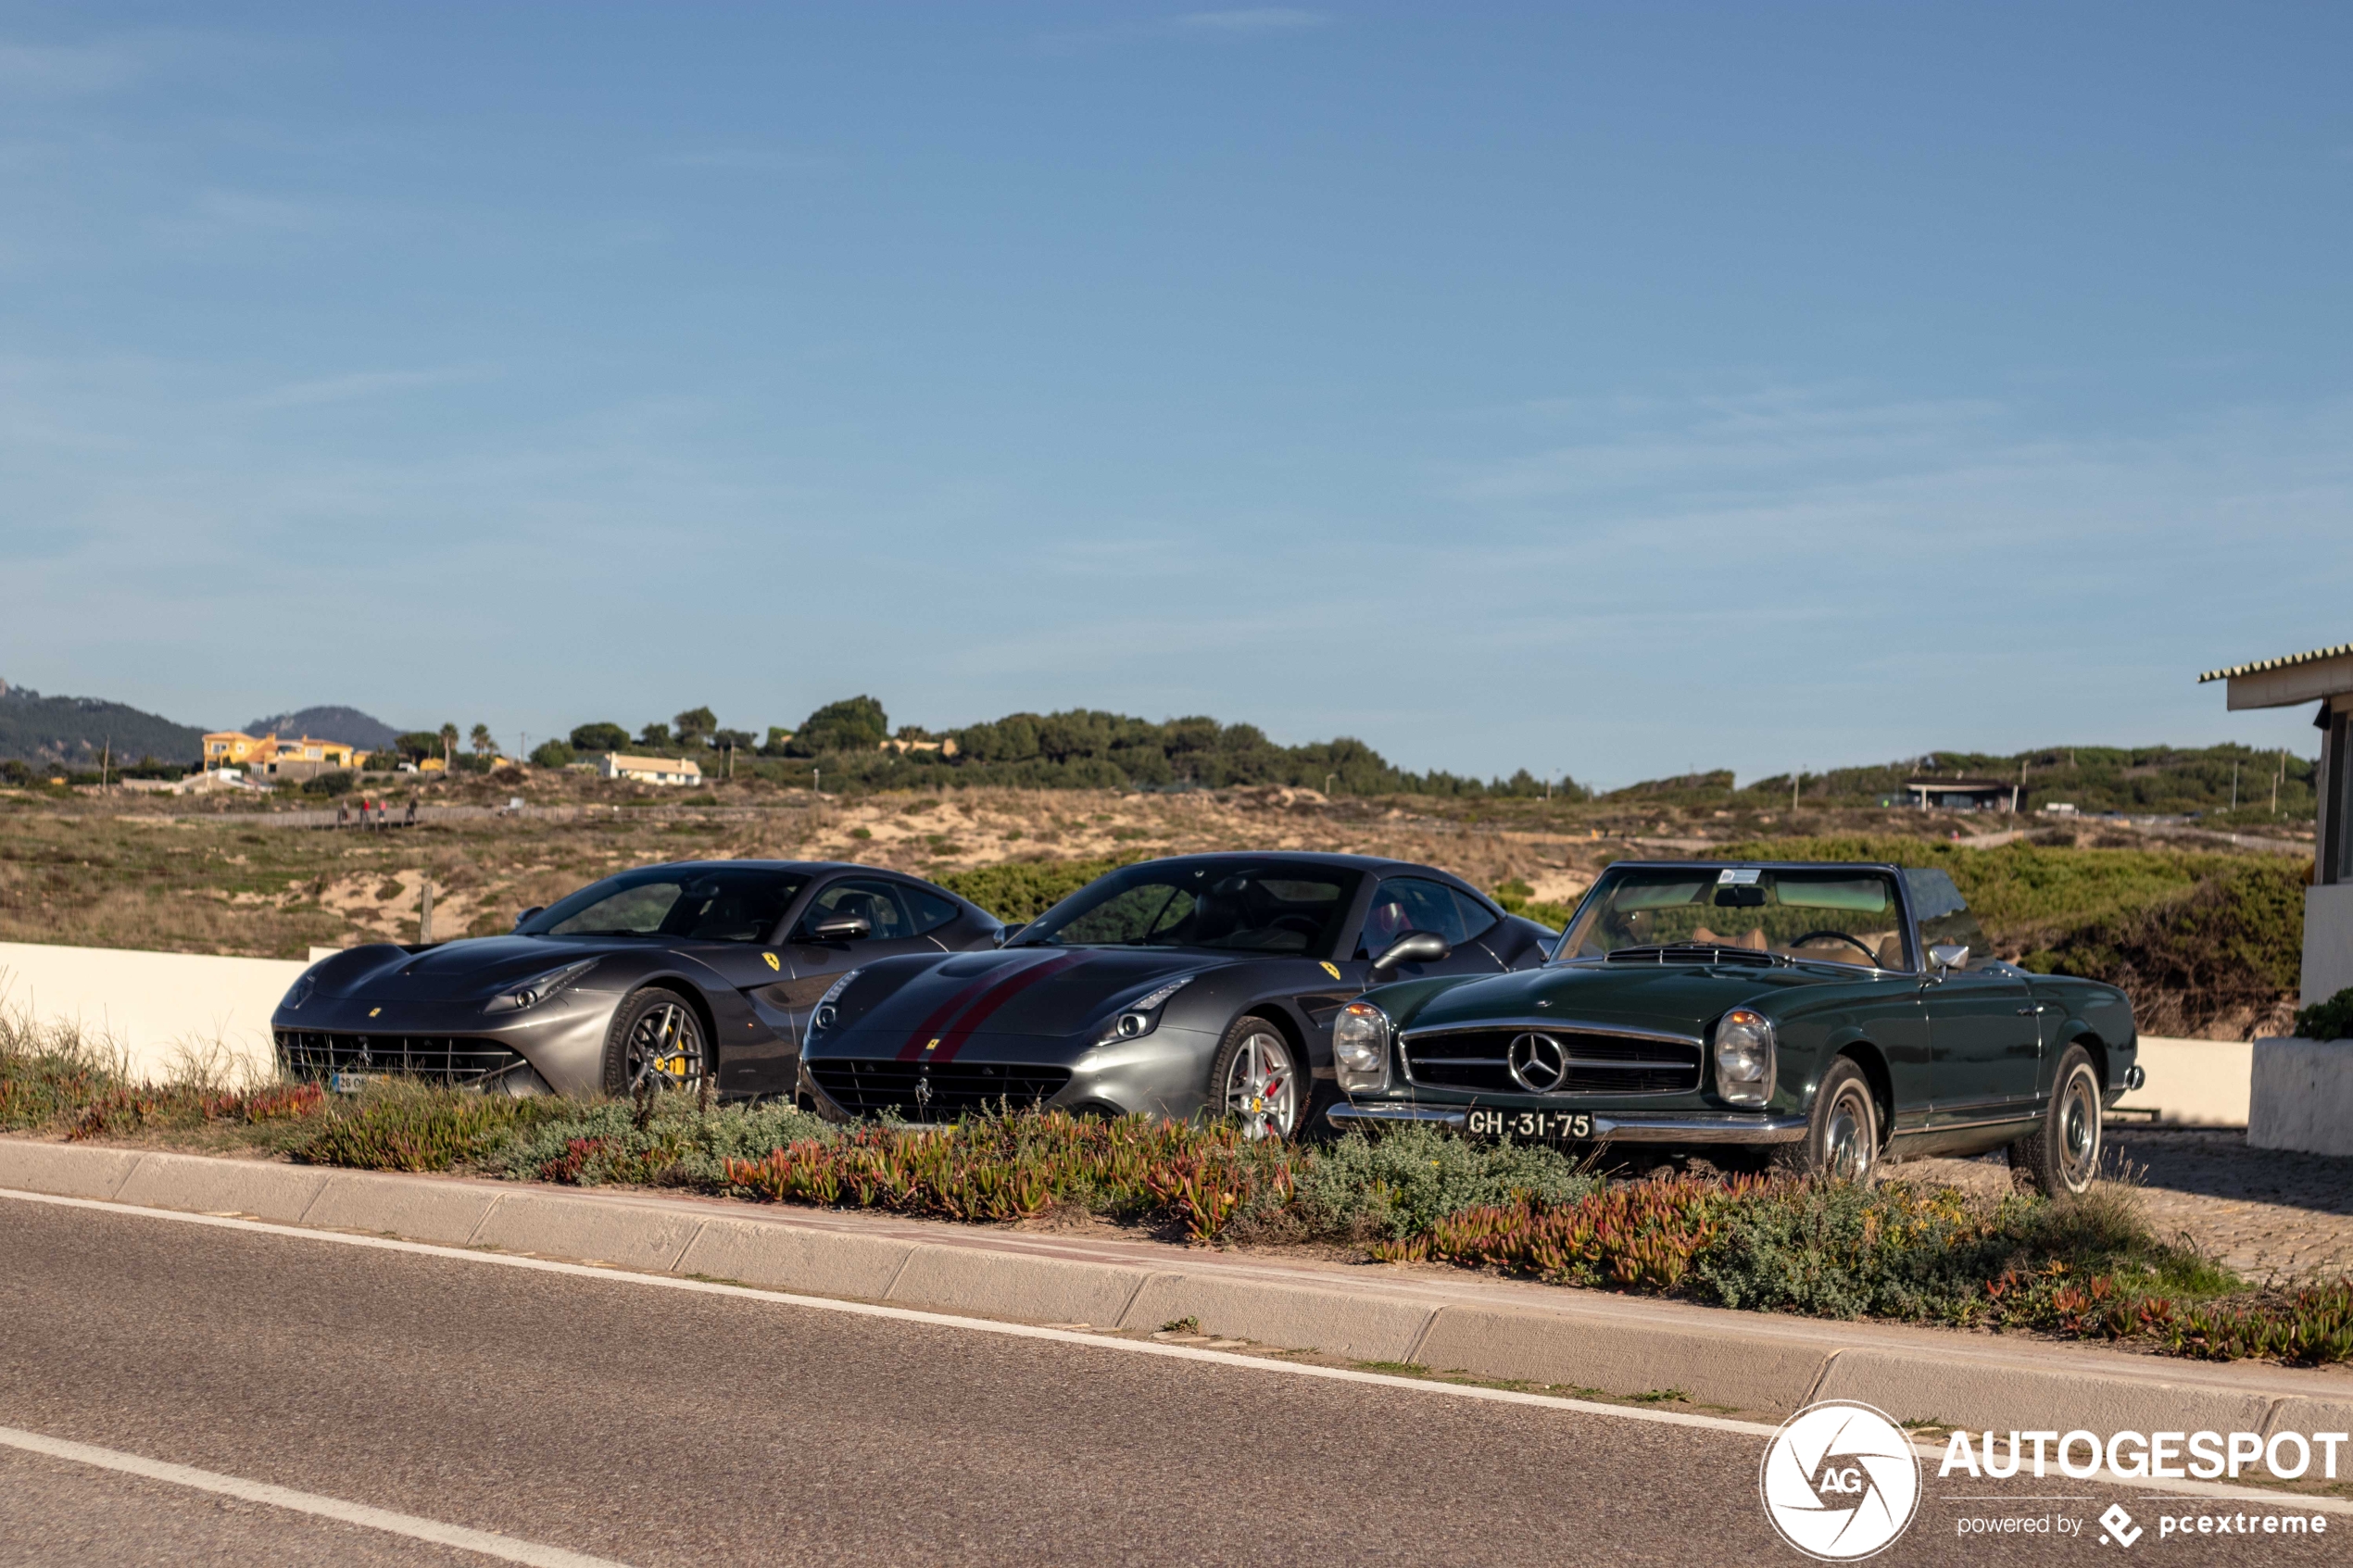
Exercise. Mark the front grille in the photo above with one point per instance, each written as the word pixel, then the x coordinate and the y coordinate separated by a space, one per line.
pixel 439 1059
pixel 1598 1065
pixel 869 1088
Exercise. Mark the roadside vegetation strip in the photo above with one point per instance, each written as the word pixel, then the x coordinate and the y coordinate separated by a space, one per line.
pixel 488 1543
pixel 2086 1269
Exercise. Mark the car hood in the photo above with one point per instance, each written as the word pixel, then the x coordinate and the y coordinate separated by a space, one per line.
pixel 1684 998
pixel 477 966
pixel 1049 992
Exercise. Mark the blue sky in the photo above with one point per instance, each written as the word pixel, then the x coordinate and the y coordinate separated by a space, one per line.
pixel 1611 389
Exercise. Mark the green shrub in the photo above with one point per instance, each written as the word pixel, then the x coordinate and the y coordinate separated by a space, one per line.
pixel 1021 891
pixel 2332 1020
pixel 405 1126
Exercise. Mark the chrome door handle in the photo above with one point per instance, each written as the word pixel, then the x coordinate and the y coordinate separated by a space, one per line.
pixel 2030 1012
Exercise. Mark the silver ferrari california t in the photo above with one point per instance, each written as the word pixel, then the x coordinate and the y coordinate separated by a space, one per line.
pixel 1204 983
pixel 653 977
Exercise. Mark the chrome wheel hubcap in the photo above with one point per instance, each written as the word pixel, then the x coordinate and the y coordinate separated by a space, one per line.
pixel 665 1050
pixel 1261 1089
pixel 1847 1148
pixel 2078 1134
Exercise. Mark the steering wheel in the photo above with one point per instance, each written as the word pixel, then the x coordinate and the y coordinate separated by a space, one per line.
pixel 1841 937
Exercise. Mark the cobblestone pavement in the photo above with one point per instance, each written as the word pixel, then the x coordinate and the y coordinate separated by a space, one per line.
pixel 2268 1215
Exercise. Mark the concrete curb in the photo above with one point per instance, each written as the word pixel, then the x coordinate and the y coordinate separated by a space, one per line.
pixel 1449 1322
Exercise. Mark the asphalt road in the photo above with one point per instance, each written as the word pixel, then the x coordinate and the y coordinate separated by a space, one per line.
pixel 652 1426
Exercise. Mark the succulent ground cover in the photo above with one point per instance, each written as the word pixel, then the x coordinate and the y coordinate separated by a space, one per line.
pixel 2087 1267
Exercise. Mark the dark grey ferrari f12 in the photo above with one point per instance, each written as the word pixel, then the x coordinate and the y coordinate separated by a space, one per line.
pixel 1202 982
pixel 652 977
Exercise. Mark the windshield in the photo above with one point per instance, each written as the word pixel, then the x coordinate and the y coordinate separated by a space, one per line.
pixel 1836 914
pixel 691 903
pixel 1233 907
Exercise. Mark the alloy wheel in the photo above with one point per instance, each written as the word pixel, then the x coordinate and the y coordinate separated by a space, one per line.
pixel 1262 1086
pixel 665 1049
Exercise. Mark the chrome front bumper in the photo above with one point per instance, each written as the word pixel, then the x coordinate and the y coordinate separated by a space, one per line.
pixel 1608 1127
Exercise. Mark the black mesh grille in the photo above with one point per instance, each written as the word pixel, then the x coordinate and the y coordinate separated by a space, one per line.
pixel 1598 1065
pixel 867 1088
pixel 440 1059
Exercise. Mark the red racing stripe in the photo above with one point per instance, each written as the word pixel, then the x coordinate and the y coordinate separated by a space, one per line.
pixel 952 1039
pixel 929 1028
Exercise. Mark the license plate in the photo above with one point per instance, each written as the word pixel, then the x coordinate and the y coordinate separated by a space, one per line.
pixel 1571 1125
pixel 352 1083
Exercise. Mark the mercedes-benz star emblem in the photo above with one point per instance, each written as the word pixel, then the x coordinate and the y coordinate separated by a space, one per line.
pixel 1538 1064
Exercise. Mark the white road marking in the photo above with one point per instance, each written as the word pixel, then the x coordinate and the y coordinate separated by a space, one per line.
pixel 2216 1491
pixel 506 1548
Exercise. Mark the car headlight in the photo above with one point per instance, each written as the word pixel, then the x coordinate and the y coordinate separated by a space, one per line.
pixel 1744 1056
pixel 539 989
pixel 299 992
pixel 1360 1047
pixel 1141 1015
pixel 822 1016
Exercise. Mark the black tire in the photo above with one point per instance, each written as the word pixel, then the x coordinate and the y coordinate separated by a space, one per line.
pixel 1260 1079
pixel 1842 1134
pixel 2062 1154
pixel 656 1039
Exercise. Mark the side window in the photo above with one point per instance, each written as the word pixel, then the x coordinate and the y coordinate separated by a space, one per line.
pixel 1944 915
pixel 930 909
pixel 1477 920
pixel 881 902
pixel 1410 903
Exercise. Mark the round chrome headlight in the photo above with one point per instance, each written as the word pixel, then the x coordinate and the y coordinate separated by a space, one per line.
pixel 1744 1056
pixel 1360 1047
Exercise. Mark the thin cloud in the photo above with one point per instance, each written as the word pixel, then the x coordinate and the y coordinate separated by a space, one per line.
pixel 746 160
pixel 37 72
pixel 1264 19
pixel 363 384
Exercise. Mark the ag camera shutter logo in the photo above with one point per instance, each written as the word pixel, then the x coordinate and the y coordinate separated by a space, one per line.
pixel 1839 1481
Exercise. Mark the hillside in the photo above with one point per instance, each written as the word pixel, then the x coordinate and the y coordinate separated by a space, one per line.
pixel 73 731
pixel 346 725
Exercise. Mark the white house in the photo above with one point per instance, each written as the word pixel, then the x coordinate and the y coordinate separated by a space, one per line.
pixel 2323 677
pixel 650 770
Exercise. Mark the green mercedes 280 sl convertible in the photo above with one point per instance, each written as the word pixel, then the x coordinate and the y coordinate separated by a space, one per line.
pixel 1824 1017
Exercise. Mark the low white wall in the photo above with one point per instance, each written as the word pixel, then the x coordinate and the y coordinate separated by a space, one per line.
pixel 160 1014
pixel 2193 1083
pixel 2328 941
pixel 2303 1096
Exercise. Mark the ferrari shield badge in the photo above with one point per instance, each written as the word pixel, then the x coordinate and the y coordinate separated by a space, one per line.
pixel 1331 969
pixel 772 961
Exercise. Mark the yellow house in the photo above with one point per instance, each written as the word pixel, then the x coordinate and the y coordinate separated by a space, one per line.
pixel 235 748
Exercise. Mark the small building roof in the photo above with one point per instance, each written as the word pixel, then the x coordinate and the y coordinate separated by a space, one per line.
pixel 2288 662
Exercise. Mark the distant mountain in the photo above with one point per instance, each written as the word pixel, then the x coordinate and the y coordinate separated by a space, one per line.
pixel 76 730
pixel 346 725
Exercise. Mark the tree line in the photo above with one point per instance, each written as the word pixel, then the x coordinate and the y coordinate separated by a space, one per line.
pixel 850 744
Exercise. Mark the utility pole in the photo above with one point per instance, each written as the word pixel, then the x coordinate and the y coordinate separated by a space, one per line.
pixel 2275 782
pixel 2234 786
pixel 1796 777
pixel 104 758
pixel 424 913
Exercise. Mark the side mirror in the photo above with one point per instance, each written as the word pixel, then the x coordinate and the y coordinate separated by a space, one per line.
pixel 1415 947
pixel 1007 933
pixel 535 908
pixel 1945 956
pixel 839 928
